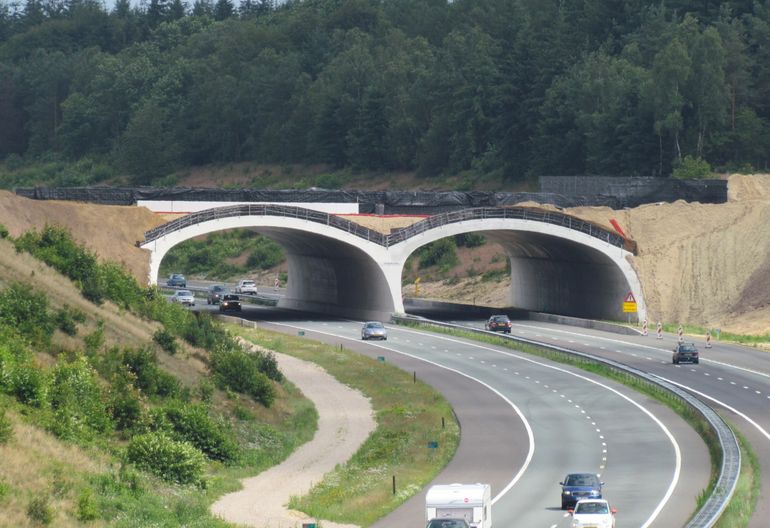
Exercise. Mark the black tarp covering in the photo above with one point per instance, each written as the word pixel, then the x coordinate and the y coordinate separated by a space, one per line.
pixel 559 191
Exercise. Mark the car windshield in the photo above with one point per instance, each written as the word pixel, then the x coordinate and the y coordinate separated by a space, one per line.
pixel 184 293
pixel 248 283
pixel 217 288
pixel 582 479
pixel 500 318
pixel 230 297
pixel 374 325
pixel 687 348
pixel 592 507
pixel 447 523
pixel 176 276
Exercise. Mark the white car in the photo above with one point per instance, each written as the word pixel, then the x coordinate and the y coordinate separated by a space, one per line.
pixel 246 286
pixel 183 297
pixel 595 513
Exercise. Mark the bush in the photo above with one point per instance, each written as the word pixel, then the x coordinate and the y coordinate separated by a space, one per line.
pixel 6 428
pixel 439 253
pixel 143 364
pixel 26 311
pixel 165 340
pixel 193 424
pixel 235 369
pixel 125 404
pixel 66 320
pixel 470 240
pixel 690 168
pixel 40 511
pixel 28 384
pixel 166 458
pixel 77 401
pixel 3 231
pixel 87 510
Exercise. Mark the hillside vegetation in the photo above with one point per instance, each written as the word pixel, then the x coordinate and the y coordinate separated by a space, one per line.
pixel 488 90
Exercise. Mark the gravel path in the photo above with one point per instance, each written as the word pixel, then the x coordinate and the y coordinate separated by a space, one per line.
pixel 345 420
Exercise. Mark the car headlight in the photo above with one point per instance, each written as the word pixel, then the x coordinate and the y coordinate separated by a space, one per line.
pixel 567 492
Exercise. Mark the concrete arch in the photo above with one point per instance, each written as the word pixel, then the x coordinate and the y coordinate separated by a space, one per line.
pixel 559 264
pixel 330 270
pixel 554 269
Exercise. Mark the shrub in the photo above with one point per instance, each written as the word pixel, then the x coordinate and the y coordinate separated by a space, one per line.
pixel 39 510
pixel 87 510
pixel 470 240
pixel 26 311
pixel 166 458
pixel 66 320
pixel 28 384
pixel 165 340
pixel 3 231
pixel 265 255
pixel 95 340
pixel 193 424
pixel 235 369
pixel 689 168
pixel 125 403
pixel 6 428
pixel 439 253
pixel 206 391
pixel 77 401
pixel 142 363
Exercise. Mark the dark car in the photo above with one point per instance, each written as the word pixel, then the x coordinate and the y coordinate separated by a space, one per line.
pixel 230 302
pixel 176 280
pixel 216 291
pixel 685 352
pixel 498 323
pixel 578 486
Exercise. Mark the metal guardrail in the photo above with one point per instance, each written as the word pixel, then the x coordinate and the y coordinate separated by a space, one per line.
pixel 398 235
pixel 730 467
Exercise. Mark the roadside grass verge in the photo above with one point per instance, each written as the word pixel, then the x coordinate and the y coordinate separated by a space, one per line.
pixel 734 516
pixel 409 415
pixel 741 507
pixel 750 340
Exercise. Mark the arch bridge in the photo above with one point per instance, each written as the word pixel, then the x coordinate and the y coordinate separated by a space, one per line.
pixel 559 264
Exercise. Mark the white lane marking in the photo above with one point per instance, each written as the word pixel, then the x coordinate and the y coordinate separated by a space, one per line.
pixel 631 343
pixel 661 425
pixel 729 408
pixel 527 427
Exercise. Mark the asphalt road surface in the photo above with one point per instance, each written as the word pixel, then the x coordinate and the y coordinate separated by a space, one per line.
pixel 526 422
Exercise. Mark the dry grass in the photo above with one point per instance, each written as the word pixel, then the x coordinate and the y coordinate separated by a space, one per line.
pixel 35 463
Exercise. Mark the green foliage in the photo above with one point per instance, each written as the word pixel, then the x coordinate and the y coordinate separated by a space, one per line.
pixel 206 390
pixel 87 509
pixel 3 231
pixel 470 240
pixel 192 423
pixel 692 168
pixel 166 341
pixel 236 370
pixel 440 253
pixel 125 402
pixel 77 402
pixel 6 427
pixel 150 379
pixel 28 384
pixel 95 340
pixel 212 256
pixel 67 318
pixel 26 311
pixel 166 458
pixel 40 510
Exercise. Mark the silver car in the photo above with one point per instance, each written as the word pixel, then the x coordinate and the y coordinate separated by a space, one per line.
pixel 374 330
pixel 183 297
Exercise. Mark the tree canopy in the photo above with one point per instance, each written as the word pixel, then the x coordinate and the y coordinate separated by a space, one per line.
pixel 514 88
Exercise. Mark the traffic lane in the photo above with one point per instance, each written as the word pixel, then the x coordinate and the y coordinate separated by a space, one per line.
pixel 642 453
pixel 740 395
pixel 493 442
pixel 528 501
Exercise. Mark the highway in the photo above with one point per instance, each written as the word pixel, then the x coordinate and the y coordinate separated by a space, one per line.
pixel 527 422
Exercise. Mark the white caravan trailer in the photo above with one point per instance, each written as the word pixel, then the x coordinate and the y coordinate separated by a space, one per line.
pixel 471 502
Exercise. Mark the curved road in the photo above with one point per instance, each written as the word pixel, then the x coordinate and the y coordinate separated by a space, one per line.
pixel 527 422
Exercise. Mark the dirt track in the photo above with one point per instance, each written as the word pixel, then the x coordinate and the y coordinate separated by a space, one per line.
pixel 345 420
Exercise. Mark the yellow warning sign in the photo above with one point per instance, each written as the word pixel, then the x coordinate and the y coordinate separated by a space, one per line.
pixel 629 303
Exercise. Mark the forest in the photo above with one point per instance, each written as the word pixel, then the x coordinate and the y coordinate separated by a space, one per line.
pixel 502 89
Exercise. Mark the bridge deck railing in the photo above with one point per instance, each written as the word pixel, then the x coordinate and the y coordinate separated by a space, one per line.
pixel 397 235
